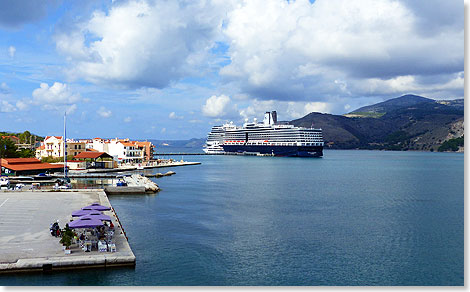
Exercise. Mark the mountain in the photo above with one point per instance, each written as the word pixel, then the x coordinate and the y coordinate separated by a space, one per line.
pixel 409 122
pixel 390 105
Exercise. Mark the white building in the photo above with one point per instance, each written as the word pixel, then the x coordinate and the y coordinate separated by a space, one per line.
pixel 125 151
pixel 53 146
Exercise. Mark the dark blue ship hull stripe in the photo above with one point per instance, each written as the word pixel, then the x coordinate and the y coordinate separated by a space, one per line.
pixel 301 151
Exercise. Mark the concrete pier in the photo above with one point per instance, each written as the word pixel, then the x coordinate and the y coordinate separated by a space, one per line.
pixel 27 245
pixel 83 173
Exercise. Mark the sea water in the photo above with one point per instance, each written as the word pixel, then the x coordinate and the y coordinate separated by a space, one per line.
pixel 349 218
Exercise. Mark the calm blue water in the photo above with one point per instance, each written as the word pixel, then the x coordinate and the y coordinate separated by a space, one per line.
pixel 350 218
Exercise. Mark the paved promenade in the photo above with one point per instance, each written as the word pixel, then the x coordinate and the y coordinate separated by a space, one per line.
pixel 25 240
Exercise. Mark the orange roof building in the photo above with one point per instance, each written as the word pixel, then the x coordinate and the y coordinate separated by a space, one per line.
pixel 147 147
pixel 92 155
pixel 13 139
pixel 27 166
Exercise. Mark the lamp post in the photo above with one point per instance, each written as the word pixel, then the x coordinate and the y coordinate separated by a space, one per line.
pixel 65 145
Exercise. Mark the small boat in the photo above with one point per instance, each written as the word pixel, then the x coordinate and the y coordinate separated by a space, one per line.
pixel 63 183
pixel 121 183
pixel 4 183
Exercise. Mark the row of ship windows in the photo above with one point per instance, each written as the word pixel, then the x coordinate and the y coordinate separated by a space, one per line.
pixel 279 135
pixel 274 138
pixel 274 144
pixel 279 140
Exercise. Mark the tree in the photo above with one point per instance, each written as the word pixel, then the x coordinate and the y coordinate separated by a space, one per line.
pixel 7 148
pixel 25 137
pixel 26 153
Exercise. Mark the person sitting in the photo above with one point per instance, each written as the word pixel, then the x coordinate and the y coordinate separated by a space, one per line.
pixel 111 225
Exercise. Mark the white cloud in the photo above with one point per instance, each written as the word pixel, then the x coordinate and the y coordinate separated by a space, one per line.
pixel 321 107
pixel 286 110
pixel 142 43
pixel 4 88
pixel 11 51
pixel 174 116
pixel 218 106
pixel 297 50
pixel 103 112
pixel 56 97
pixel 248 113
pixel 127 119
pixel 23 104
pixel 6 107
pixel 314 54
pixel 163 130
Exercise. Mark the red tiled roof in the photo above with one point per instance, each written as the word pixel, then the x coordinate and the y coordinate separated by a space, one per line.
pixel 127 144
pixel 58 137
pixel 92 154
pixel 18 164
pixel 20 160
pixel 33 166
pixel 42 147
pixel 14 137
pixel 91 149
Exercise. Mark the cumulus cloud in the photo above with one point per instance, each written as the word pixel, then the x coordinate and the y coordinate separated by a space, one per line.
pixel 297 50
pixel 218 107
pixel 142 43
pixel 286 110
pixel 6 107
pixel 23 104
pixel 56 97
pixel 103 112
pixel 127 119
pixel 313 54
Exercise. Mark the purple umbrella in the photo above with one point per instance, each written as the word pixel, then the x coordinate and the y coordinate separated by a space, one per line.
pixel 85 223
pixel 96 206
pixel 84 212
pixel 97 216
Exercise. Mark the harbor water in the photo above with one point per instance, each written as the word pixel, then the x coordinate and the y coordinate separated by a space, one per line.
pixel 349 218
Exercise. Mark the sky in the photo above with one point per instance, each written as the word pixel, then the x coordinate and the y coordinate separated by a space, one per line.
pixel 152 69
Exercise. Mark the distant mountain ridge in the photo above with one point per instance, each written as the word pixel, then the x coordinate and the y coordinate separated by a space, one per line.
pixel 408 122
pixel 394 104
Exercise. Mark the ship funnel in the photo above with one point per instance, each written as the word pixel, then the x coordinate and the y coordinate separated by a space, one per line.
pixel 270 118
pixel 267 119
pixel 274 117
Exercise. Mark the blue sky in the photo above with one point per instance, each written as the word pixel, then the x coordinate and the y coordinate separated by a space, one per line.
pixel 172 69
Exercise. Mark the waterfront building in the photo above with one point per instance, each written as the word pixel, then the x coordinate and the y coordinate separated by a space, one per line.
pixel 53 146
pixel 122 150
pixel 125 151
pixel 95 159
pixel 147 149
pixel 27 166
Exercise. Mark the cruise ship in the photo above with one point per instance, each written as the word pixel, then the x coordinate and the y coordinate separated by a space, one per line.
pixel 266 138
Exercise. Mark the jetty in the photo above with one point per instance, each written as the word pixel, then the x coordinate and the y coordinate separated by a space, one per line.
pixel 27 244
pixel 136 184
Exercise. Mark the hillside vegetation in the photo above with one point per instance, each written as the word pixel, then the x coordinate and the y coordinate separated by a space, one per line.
pixel 409 122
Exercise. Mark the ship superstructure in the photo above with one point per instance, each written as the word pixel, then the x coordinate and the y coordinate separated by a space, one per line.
pixel 215 139
pixel 269 137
